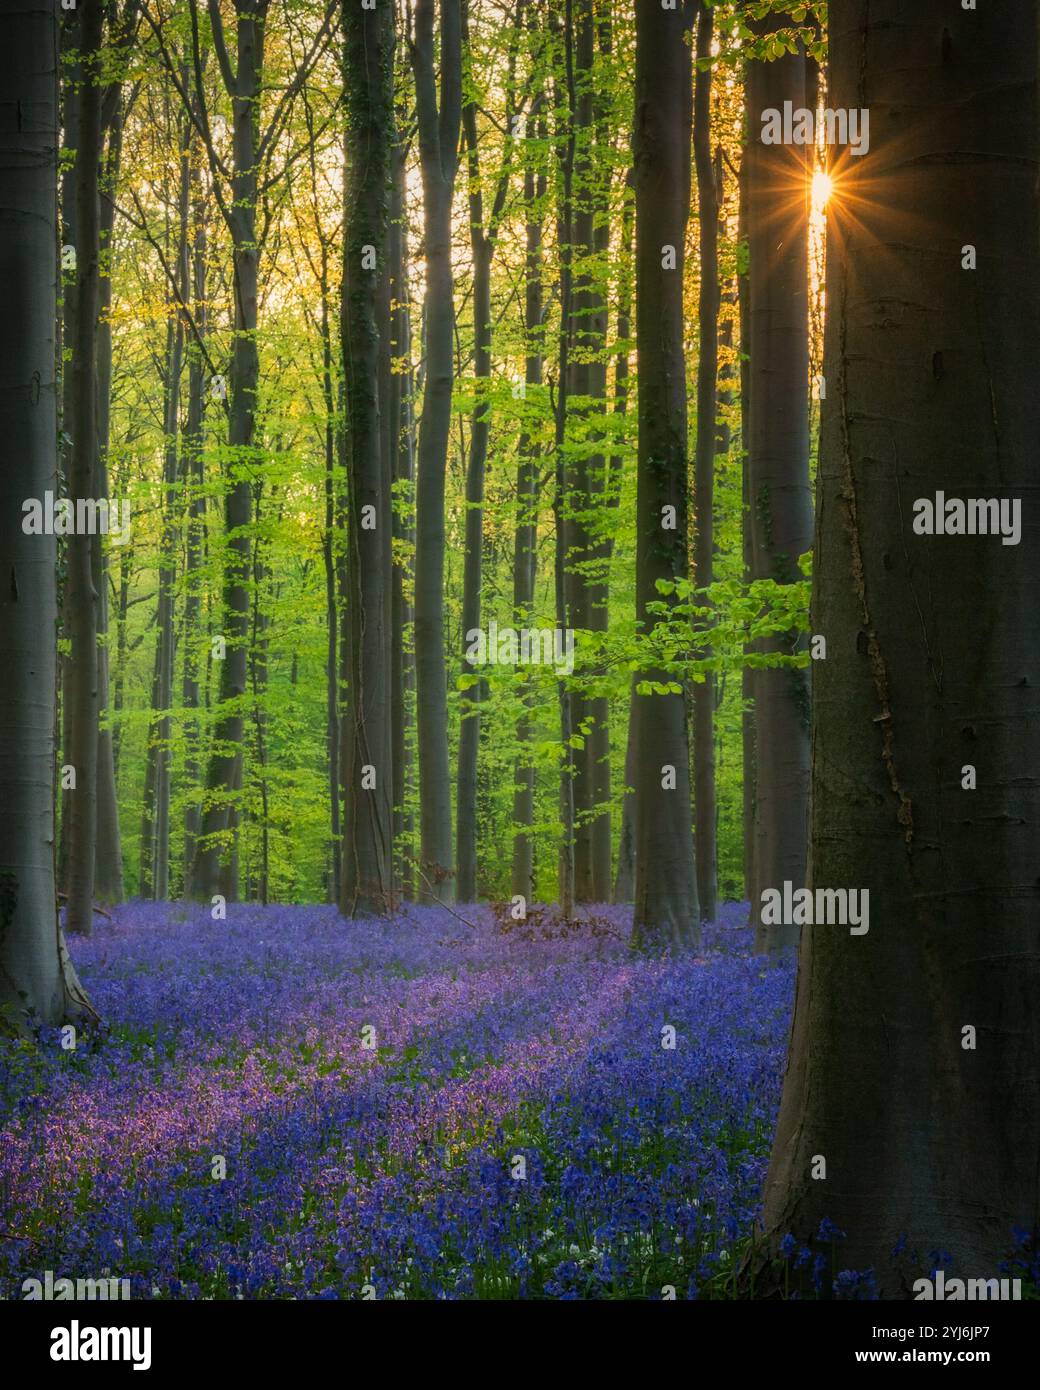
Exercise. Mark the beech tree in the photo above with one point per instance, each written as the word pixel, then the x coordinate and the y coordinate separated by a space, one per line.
pixel 37 980
pixel 666 908
pixel 913 1071
pixel 439 115
pixel 367 887
pixel 779 501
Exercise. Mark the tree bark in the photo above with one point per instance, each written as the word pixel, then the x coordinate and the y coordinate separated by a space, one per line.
pixel 704 691
pixel 218 834
pixel 367 878
pixel 439 120
pixel 585 471
pixel 666 907
pixel 932 646
pixel 525 555
pixel 81 690
pixel 37 981
pixel 108 856
pixel 402 416
pixel 778 465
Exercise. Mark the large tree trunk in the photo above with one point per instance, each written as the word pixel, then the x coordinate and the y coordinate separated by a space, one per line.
pixel 218 834
pixel 930 1133
pixel 666 908
pixel 81 690
pixel 36 976
pixel 439 122
pixel 778 464
pixel 704 467
pixel 367 874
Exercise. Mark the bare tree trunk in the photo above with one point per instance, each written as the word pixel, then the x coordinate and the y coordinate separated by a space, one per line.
pixel 108 855
pixel 586 477
pixel 402 422
pixel 81 691
pixel 367 877
pixel 37 981
pixel 439 122
pixel 525 555
pixel 218 834
pixel 778 464
pixel 666 908
pixel 704 691
pixel 192 472
pixel 915 1052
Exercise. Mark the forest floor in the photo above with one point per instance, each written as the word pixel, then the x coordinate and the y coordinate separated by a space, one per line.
pixel 285 1105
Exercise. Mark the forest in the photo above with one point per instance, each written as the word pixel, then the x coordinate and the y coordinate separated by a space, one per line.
pixel 516 563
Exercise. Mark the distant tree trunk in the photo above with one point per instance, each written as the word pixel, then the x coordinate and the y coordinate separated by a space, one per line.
pixel 402 420
pixel 930 1135
pixel 258 665
pixel 37 980
pixel 778 463
pixel 192 472
pixel 482 249
pixel 566 100
pixel 704 692
pixel 439 122
pixel 155 853
pixel 747 675
pixel 81 690
pixel 585 477
pixel 625 875
pixel 367 876
pixel 218 834
pixel 108 857
pixel 666 908
pixel 525 555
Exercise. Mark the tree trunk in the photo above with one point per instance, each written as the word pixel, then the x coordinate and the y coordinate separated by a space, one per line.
pixel 192 472
pixel 778 464
pixel 930 1133
pixel 81 690
pixel 525 556
pixel 108 855
pixel 218 833
pixel 367 877
pixel 704 691
pixel 585 476
pixel 666 908
pixel 439 122
pixel 37 980
pixel 402 418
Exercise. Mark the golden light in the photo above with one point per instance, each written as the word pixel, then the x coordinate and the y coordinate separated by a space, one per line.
pixel 822 188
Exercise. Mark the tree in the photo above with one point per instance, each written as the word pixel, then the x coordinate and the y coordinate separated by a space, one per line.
pixel 585 466
pixel 915 1056
pixel 704 693
pixel 483 239
pixel 37 979
pixel 439 120
pixel 778 465
pixel 366 878
pixel 81 688
pixel 666 908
